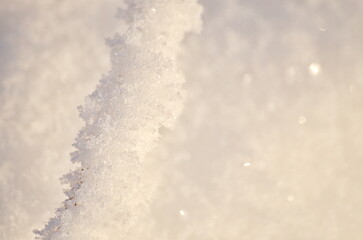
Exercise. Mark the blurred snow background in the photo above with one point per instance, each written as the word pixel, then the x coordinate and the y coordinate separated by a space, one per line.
pixel 269 145
pixel 52 54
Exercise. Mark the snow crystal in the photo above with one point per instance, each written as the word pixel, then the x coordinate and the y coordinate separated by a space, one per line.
pixel 142 93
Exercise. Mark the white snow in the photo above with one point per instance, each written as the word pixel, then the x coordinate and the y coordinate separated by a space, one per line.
pixel 264 142
pixel 141 94
pixel 52 54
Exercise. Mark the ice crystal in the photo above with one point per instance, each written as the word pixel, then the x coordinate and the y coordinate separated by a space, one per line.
pixel 141 94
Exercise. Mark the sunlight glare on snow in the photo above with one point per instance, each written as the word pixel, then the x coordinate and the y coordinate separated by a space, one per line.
pixel 314 68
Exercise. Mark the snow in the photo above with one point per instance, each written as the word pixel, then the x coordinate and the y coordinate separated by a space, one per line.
pixel 141 94
pixel 251 129
pixel 52 55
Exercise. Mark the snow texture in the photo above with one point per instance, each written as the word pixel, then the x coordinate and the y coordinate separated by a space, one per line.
pixel 141 95
pixel 52 54
pixel 268 144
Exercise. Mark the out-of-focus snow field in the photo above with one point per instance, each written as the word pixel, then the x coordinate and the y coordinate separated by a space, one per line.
pixel 52 54
pixel 269 145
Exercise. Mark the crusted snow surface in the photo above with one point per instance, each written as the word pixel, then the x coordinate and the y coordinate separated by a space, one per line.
pixel 141 95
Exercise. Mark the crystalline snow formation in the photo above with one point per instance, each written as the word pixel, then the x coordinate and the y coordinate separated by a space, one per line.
pixel 141 94
pixel 268 145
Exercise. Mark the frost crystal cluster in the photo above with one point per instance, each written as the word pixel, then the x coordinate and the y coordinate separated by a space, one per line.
pixel 141 95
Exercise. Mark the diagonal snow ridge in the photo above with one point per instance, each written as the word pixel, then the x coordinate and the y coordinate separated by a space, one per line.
pixel 141 94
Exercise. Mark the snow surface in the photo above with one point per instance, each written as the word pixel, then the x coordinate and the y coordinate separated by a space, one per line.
pixel 52 54
pixel 268 144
